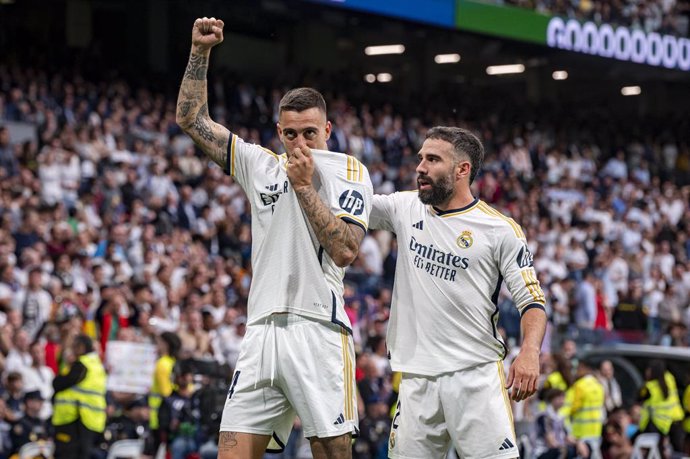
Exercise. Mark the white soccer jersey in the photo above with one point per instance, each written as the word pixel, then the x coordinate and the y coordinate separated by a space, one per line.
pixel 291 271
pixel 449 271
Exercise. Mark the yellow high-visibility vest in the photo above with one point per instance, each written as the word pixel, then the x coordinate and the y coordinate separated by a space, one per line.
pixel 587 410
pixel 86 400
pixel 661 411
pixel 164 368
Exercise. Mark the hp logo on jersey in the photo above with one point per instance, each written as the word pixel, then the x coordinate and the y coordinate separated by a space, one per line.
pixel 352 202
pixel 525 258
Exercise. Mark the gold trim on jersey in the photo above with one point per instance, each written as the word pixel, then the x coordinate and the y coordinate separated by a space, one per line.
pixel 464 211
pixel 532 285
pixel 266 150
pixel 354 218
pixel 347 377
pixel 491 211
pixel 354 169
pixel 232 154
pixel 506 397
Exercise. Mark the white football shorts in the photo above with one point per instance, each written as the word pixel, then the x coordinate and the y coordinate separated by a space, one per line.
pixel 288 366
pixel 468 410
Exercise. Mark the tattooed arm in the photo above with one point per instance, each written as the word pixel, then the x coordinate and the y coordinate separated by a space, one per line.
pixel 338 238
pixel 192 104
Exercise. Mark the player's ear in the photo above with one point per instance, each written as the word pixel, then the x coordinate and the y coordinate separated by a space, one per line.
pixel 463 170
pixel 279 130
pixel 329 127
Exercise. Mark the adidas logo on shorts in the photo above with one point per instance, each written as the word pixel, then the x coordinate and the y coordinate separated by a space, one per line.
pixel 507 444
pixel 340 420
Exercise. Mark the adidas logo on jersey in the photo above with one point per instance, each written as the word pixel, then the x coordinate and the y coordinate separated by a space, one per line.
pixel 273 187
pixel 507 444
pixel 419 225
pixel 340 420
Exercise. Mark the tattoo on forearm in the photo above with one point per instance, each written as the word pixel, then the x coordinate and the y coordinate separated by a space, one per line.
pixel 192 111
pixel 227 441
pixel 333 233
pixel 197 67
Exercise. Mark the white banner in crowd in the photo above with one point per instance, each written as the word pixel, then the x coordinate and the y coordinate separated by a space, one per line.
pixel 130 366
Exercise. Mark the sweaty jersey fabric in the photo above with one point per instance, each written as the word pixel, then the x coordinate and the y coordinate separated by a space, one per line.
pixel 448 276
pixel 291 271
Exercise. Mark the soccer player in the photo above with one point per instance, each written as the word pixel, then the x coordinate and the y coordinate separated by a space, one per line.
pixel 454 253
pixel 310 210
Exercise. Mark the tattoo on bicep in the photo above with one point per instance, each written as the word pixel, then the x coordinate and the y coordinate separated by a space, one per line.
pixel 185 107
pixel 196 67
pixel 227 441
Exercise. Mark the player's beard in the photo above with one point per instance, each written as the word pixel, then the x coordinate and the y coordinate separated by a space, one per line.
pixel 441 190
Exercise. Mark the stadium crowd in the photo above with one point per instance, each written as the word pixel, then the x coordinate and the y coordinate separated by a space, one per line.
pixel 670 17
pixel 112 224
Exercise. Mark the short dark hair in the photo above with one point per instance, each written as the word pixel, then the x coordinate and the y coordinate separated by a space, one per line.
pixel 85 341
pixel 464 143
pixel 173 342
pixel 301 99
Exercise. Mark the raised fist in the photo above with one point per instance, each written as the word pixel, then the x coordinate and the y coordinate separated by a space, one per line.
pixel 207 33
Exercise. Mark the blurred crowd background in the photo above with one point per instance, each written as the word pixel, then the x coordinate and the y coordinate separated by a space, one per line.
pixel 114 225
pixel 670 17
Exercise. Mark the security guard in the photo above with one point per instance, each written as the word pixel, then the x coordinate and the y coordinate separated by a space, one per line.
pixel 79 404
pixel 587 410
pixel 169 345
pixel 30 427
pixel 661 403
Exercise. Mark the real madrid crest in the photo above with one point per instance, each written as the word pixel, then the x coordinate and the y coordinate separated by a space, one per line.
pixel 465 240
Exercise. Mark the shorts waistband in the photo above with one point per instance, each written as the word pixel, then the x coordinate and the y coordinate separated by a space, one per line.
pixel 286 318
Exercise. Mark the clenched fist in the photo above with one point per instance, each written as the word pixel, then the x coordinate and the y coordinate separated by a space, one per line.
pixel 207 33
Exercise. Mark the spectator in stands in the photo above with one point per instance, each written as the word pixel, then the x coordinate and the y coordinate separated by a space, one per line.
pixel 613 397
pixel 196 341
pixel 13 396
pixel 179 415
pixel 31 427
pixel 34 304
pixel 39 377
pixel 9 166
pixel 552 437
pixel 616 444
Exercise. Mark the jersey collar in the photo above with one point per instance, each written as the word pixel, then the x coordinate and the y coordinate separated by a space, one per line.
pixel 443 213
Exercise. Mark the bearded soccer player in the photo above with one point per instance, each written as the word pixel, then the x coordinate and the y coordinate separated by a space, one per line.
pixel 310 211
pixel 454 253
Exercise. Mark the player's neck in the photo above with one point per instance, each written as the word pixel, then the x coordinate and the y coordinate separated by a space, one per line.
pixel 462 198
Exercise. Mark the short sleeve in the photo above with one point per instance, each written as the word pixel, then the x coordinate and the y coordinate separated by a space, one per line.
pixel 244 158
pixel 352 194
pixel 517 267
pixel 382 212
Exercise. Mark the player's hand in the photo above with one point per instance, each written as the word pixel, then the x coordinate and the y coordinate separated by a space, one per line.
pixel 207 33
pixel 523 374
pixel 300 167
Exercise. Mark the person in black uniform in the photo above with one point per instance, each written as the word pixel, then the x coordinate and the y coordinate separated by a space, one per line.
pixel 30 427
